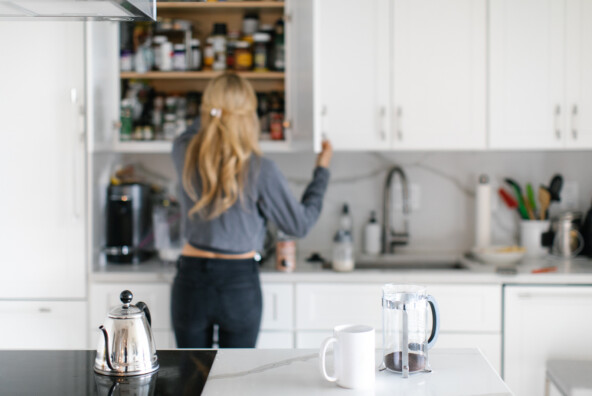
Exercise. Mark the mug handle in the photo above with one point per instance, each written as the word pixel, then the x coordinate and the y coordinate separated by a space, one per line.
pixel 322 355
pixel 435 321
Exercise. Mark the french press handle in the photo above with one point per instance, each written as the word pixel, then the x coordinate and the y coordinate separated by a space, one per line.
pixel 435 321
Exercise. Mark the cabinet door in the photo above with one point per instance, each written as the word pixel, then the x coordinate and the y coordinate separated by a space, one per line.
pixel 299 75
pixel 526 69
pixel 277 306
pixel 351 79
pixel 43 325
pixel 439 64
pixel 579 74
pixel 543 323
pixel 42 160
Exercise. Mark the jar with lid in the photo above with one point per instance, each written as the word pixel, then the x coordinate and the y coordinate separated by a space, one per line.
pixel 261 51
pixel 243 56
pixel 166 56
pixel 179 58
pixel 126 60
pixel 157 48
pixel 208 56
pixel 195 56
pixel 219 46
pixel 343 252
pixel 276 118
pixel 250 25
pixel 233 37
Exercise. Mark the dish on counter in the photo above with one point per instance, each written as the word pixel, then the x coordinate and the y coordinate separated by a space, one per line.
pixel 499 254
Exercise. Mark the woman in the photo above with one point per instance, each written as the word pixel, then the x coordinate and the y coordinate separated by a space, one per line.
pixel 229 193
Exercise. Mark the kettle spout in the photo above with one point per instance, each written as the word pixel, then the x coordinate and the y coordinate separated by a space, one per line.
pixel 107 352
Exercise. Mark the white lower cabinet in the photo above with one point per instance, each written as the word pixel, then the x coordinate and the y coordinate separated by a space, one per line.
pixel 43 325
pixel 543 323
pixel 157 296
pixel 470 314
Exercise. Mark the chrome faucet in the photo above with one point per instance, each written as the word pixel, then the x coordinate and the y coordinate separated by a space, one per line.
pixel 390 238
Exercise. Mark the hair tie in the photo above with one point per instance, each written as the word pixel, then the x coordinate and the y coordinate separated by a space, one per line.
pixel 215 112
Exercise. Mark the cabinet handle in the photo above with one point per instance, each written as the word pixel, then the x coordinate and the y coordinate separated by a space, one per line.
pixel 553 296
pixel 324 112
pixel 382 114
pixel 574 118
pixel 557 122
pixel 275 310
pixel 399 118
pixel 44 310
pixel 79 140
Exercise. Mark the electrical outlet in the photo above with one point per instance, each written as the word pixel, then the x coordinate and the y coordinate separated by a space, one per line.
pixel 414 197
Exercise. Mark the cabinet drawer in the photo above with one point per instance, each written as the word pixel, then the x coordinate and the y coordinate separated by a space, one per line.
pixel 465 308
pixel 43 325
pixel 275 340
pixel 277 306
pixel 469 307
pixel 105 296
pixel 322 306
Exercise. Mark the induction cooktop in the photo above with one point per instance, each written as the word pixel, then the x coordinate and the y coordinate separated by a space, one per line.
pixel 182 372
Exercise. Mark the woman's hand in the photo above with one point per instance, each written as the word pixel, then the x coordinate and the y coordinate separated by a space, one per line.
pixel 324 157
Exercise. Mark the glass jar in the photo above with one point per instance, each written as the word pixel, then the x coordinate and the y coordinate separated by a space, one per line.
pixel 243 56
pixel 343 252
pixel 261 52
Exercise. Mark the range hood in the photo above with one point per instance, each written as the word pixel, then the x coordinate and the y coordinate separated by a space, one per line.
pixel 113 10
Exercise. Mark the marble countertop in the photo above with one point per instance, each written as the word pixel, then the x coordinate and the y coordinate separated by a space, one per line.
pixel 246 372
pixel 570 271
pixel 290 372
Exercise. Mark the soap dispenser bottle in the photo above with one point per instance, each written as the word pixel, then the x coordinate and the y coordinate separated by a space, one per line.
pixel 372 235
pixel 343 246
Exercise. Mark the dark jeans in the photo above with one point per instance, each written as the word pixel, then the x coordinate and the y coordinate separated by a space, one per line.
pixel 216 291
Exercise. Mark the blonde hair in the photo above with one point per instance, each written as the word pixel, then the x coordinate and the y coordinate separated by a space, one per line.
pixel 221 150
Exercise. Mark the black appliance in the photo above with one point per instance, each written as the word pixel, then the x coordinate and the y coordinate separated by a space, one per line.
pixel 129 223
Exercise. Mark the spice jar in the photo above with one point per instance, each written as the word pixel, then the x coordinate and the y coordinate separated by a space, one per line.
pixel 243 56
pixel 261 51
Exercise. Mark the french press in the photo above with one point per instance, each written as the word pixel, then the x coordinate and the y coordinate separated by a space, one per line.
pixel 405 328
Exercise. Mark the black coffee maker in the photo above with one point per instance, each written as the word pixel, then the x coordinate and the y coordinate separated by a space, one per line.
pixel 129 223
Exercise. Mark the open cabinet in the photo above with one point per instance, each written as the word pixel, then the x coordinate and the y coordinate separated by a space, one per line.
pixel 105 82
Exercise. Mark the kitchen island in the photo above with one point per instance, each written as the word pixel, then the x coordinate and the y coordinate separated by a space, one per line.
pixel 238 372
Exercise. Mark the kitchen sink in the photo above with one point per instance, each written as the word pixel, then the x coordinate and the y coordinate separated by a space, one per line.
pixel 407 262
pixel 410 266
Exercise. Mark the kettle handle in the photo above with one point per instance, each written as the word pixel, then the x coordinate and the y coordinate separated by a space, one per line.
pixel 435 321
pixel 144 308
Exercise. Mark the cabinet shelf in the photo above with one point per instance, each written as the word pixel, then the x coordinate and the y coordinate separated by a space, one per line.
pixel 165 147
pixel 199 75
pixel 197 5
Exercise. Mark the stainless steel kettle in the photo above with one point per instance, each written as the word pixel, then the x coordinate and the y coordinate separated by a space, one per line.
pixel 127 346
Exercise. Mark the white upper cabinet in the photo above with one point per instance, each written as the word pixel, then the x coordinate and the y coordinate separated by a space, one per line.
pixel 439 74
pixel 579 74
pixel 400 74
pixel 351 73
pixel 540 74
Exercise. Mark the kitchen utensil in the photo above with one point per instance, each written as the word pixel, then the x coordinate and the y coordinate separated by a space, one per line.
pixel 567 240
pixel 507 198
pixel 530 195
pixel 543 270
pixel 129 223
pixel 555 188
pixel 499 254
pixel 531 236
pixel 518 192
pixel 354 356
pixel 544 201
pixel 405 337
pixel 127 345
pixel 528 208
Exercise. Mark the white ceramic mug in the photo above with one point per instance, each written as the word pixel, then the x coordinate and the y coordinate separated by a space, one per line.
pixel 531 232
pixel 354 356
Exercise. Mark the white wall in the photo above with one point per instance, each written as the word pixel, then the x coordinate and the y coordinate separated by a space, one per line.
pixel 446 182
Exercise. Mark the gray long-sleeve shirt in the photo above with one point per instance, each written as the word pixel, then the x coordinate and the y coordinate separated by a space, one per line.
pixel 267 196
